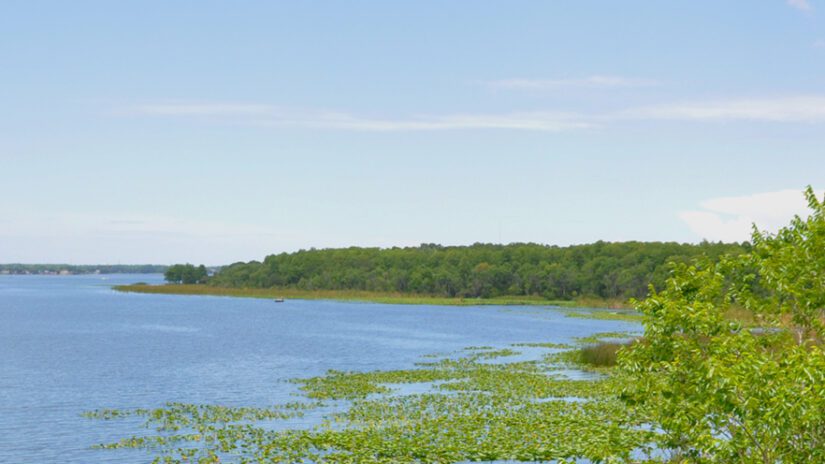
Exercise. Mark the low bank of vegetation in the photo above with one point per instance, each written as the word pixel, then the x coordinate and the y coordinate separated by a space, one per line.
pixel 343 295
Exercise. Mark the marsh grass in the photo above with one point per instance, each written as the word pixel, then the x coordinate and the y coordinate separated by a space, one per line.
pixel 603 354
pixel 609 303
pixel 608 315
pixel 354 295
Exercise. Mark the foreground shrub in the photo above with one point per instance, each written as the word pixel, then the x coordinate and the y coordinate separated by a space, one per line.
pixel 718 391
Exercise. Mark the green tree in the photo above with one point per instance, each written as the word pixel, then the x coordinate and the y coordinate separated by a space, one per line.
pixel 186 274
pixel 722 390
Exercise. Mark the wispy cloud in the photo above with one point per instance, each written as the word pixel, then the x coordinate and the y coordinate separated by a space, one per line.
pixel 806 108
pixel 819 43
pixel 273 116
pixel 590 82
pixel 536 121
pixel 788 109
pixel 730 219
pixel 202 109
pixel 802 5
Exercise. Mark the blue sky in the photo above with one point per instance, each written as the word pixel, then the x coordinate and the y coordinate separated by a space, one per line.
pixel 213 132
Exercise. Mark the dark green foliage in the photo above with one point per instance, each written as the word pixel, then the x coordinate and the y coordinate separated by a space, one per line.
pixel 186 274
pixel 601 269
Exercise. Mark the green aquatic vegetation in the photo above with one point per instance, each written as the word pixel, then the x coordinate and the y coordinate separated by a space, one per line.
pixel 472 411
pixel 337 385
pixel 601 336
pixel 493 354
pixel 176 416
pixel 544 345
pixel 477 427
pixel 340 385
pixel 607 315
pixel 525 381
pixel 604 354
pixel 433 355
pixel 595 353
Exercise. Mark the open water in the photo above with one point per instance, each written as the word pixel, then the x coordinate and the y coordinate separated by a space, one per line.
pixel 70 344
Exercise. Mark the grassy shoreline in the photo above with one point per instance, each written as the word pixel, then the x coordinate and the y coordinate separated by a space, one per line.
pixel 363 296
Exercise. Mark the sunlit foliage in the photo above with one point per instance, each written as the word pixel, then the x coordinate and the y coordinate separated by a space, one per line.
pixel 723 392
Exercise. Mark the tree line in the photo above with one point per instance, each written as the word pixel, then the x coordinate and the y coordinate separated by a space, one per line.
pixel 19 268
pixel 186 274
pixel 601 269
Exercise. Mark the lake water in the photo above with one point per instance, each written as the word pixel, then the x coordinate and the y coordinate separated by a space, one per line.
pixel 70 344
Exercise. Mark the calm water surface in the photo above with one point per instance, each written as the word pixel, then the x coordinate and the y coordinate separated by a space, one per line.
pixel 71 344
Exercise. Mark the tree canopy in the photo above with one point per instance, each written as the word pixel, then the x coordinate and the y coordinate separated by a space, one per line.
pixel 186 274
pixel 601 269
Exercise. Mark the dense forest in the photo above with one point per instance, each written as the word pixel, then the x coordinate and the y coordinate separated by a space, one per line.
pixel 81 269
pixel 601 269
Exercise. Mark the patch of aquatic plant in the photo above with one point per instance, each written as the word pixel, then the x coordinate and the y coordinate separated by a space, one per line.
pixel 602 336
pixel 607 315
pixel 476 354
pixel 487 355
pixel 338 385
pixel 177 416
pixel 595 352
pixel 604 354
pixel 544 345
pixel 477 427
pixel 475 411
pixel 525 380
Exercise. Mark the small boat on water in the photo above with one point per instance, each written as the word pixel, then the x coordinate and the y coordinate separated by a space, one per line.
pixel 279 300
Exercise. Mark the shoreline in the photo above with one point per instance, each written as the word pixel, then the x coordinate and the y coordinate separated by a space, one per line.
pixel 365 296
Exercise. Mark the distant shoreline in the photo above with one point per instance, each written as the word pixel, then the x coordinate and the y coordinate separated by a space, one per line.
pixel 80 269
pixel 365 296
